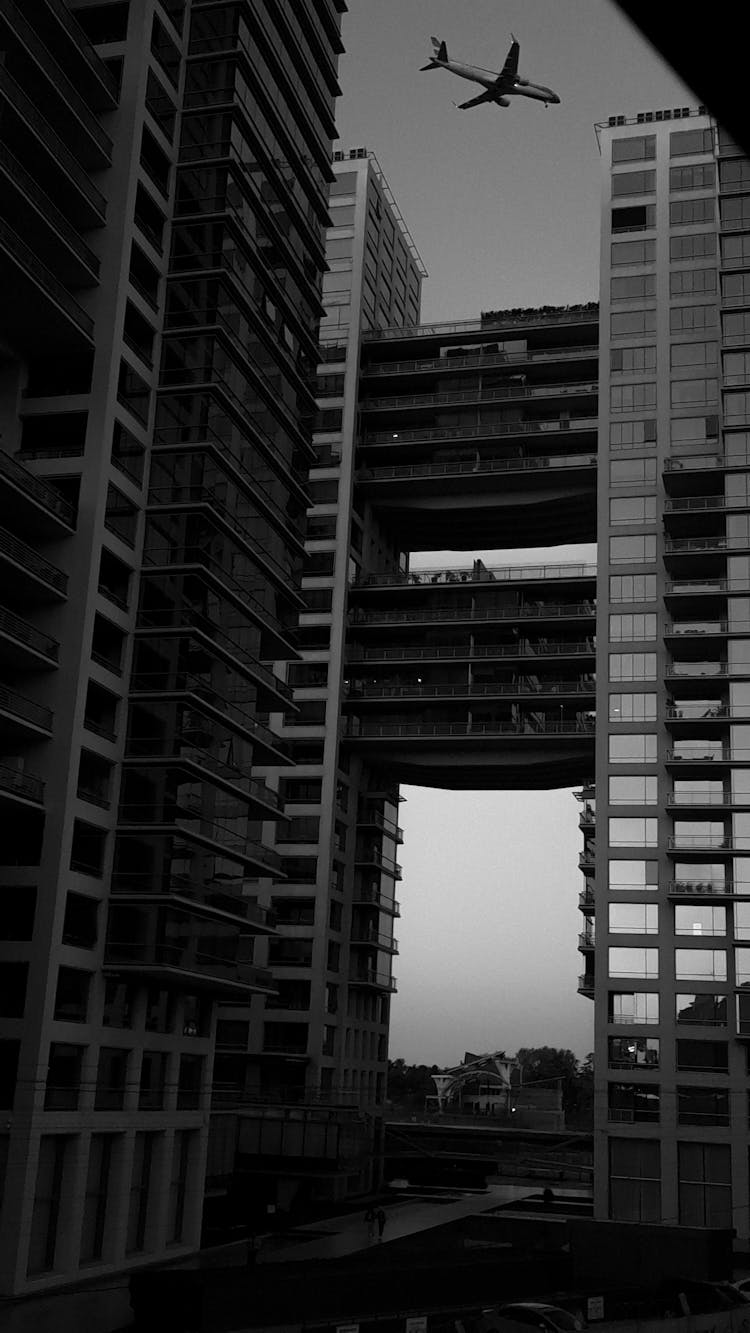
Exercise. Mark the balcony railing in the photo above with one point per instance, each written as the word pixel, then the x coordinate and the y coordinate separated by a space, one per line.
pixel 187 959
pixel 480 394
pixel 171 557
pixel 373 817
pixel 58 150
pixel 26 709
pixel 700 462
pixel 478 573
pixel 375 898
pixel 704 798
pixel 470 689
pixel 547 426
pixel 478 361
pixel 374 938
pixel 374 857
pixel 28 635
pixel 715 842
pixel 380 980
pixel 475 467
pixel 35 564
pixel 530 727
pixel 188 818
pixel 46 279
pixel 707 888
pixel 185 751
pixel 699 545
pixel 37 489
pixel 523 648
pixel 198 623
pixel 511 319
pixel 16 783
pixel 529 610
pixel 206 894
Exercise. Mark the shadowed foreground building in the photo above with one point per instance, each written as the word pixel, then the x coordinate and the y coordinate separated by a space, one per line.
pixel 161 246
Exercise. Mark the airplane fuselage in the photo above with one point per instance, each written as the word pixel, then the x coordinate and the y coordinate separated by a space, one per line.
pixel 488 80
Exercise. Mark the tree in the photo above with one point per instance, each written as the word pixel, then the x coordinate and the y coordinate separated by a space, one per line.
pixel 408 1085
pixel 547 1064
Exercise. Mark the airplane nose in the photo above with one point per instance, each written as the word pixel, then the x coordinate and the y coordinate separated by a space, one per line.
pixel 555 98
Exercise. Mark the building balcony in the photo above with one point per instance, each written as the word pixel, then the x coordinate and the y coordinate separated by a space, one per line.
pixel 703 629
pixel 39 508
pixel 586 902
pixel 692 843
pixel 374 857
pixel 373 939
pixel 528 728
pixel 372 980
pixel 476 573
pixel 61 33
pixel 42 306
pixel 700 587
pixel 723 798
pixel 374 819
pixel 713 713
pixel 539 611
pixel 32 578
pixel 215 899
pixel 286 1050
pixel 478 361
pixel 697 505
pixel 186 820
pixel 24 646
pixel 586 985
pixel 479 395
pixel 193 560
pixel 204 766
pixel 717 754
pixel 358 692
pixel 701 545
pixel 586 860
pixel 18 788
pixel 586 942
pixel 587 817
pixel 706 888
pixel 368 896
pixel 413 476
pixel 23 717
pixel 539 428
pixel 205 500
pixel 186 967
pixel 521 649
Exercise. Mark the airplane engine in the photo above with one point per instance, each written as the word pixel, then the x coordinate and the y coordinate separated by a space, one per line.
pixel 523 83
pixel 503 101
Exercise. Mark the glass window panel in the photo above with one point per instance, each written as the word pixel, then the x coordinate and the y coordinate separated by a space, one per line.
pixel 700 964
pixel 699 919
pixel 634 1007
pixel 632 789
pixel 633 748
pixel 633 874
pixel 633 919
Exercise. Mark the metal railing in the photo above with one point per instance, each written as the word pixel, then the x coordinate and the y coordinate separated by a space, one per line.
pixel 189 818
pixel 490 430
pixel 356 653
pixel 479 395
pixel 377 939
pixel 19 706
pixel 375 898
pixel 483 690
pixel 697 545
pixel 46 278
pixel 479 360
pixel 48 210
pixel 187 959
pixel 169 557
pixel 381 980
pixel 511 319
pixel 185 682
pixel 441 614
pixel 47 135
pixel 187 752
pixel 476 574
pixel 33 638
pixel 18 783
pixel 529 727
pixel 142 884
pixel 407 470
pixel 375 857
pixel 704 888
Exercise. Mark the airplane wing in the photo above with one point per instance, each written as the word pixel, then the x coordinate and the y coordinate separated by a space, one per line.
pixel 509 71
pixel 488 96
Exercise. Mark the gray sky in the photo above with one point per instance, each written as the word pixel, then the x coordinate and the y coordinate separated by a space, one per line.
pixel 503 205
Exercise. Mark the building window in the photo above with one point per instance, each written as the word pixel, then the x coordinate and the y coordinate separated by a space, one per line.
pixel 9 1053
pixel 627 831
pixel 635 217
pixel 119 998
pixel 13 977
pixel 686 142
pixel 700 964
pixel 63 1077
pixel 189 1085
pixel 143 1153
pixel 629 360
pixel 633 748
pixel 111 1079
pixel 96 1197
pixel 160 1011
pixel 632 789
pixel 699 176
pixel 632 707
pixel 631 471
pixel 632 550
pixel 705 1184
pixel 685 212
pixel 692 281
pixel 703 1056
pixel 153 1081
pixel 72 995
pixel 633 1103
pixel 632 588
pixel 702 1106
pixel 632 434
pixel 692 430
pixel 630 875
pixel 633 288
pixel 633 919
pixel 693 392
pixel 692 318
pixel 632 252
pixel 699 245
pixel 639 148
pixel 633 1007
pixel 634 1180
pixel 80 924
pixel 632 509
pixel 633 1052
pixel 626 962
pixel 627 323
pixel 632 666
pixel 701 1010
pixel 178 1184
pixel 48 1202
pixel 693 354
pixel 699 919
pixel 633 182
pixel 632 628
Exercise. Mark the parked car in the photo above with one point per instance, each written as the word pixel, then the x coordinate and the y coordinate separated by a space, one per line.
pixel 550 1318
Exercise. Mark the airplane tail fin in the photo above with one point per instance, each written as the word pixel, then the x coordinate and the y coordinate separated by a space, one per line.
pixel 441 54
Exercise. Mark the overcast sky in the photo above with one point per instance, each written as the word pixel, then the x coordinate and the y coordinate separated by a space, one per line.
pixel 503 205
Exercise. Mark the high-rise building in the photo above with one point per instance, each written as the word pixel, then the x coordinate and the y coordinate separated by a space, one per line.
pixel 165 170
pixel 672 880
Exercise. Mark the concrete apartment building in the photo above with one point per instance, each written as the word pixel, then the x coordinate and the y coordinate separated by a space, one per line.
pixel 161 247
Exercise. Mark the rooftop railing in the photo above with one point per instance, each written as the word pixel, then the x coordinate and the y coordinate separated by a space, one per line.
pixel 493 320
pixel 477 574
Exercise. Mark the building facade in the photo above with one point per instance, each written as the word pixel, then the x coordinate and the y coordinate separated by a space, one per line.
pixel 671 888
pixel 165 170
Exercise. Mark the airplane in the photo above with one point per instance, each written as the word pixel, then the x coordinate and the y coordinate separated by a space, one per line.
pixel 499 88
